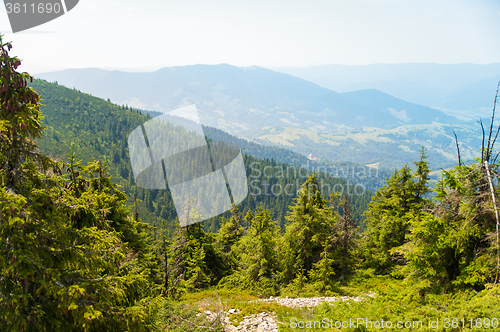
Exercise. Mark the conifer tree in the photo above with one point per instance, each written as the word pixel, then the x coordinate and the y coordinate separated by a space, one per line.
pixel 257 253
pixel 64 263
pixel 452 243
pixel 455 242
pixel 230 231
pixel 389 214
pixel 346 240
pixel 194 261
pixel 310 225
pixel 338 259
pixel 20 122
pixel 228 237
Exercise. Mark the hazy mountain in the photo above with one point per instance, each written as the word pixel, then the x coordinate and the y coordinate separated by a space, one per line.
pixel 475 96
pixel 98 129
pixel 404 89
pixel 242 101
pixel 429 84
pixel 408 113
pixel 364 127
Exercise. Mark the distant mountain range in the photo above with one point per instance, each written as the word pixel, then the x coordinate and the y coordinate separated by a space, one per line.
pixel 270 107
pixel 98 130
pixel 466 90
pixel 243 100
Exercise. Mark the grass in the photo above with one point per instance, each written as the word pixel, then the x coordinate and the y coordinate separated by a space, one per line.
pixel 395 301
pixel 246 303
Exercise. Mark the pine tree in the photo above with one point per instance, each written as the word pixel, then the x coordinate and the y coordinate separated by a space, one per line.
pixel 257 253
pixel 311 222
pixel 389 214
pixel 64 260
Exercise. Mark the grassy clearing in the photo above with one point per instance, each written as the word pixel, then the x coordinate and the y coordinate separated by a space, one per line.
pixel 275 139
pixel 399 306
pixel 395 301
pixel 246 304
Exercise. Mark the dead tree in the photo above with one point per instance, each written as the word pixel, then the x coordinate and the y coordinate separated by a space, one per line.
pixel 486 184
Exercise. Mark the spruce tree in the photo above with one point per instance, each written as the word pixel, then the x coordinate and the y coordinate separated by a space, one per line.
pixel 306 235
pixel 228 238
pixel 454 242
pixel 71 257
pixel 257 252
pixel 194 262
pixel 389 214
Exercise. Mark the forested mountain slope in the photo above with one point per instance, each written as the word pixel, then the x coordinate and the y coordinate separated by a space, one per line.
pixel 243 100
pixel 98 129
pixel 272 108
pixel 74 257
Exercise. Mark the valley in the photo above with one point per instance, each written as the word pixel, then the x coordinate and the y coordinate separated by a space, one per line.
pixel 276 109
pixel 324 218
pixel 250 166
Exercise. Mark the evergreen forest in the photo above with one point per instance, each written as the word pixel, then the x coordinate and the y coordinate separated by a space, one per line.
pixel 83 248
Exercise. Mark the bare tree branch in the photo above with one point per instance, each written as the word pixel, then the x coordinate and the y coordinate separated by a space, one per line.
pixel 495 160
pixel 458 149
pixel 494 108
pixel 482 141
pixel 496 216
pixel 490 144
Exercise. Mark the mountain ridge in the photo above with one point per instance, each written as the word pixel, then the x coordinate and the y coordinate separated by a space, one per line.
pixel 428 84
pixel 97 129
pixel 227 96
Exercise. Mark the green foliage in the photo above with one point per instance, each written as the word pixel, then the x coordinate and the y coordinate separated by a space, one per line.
pixel 71 257
pixel 228 236
pixel 70 268
pixel 19 122
pixel 231 231
pixel 307 231
pixel 389 214
pixel 194 262
pixel 318 243
pixel 257 256
pixel 323 272
pixel 453 243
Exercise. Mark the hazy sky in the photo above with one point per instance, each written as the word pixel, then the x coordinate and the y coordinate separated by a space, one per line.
pixel 268 33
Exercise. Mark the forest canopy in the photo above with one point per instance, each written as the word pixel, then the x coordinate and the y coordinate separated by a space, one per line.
pixel 76 254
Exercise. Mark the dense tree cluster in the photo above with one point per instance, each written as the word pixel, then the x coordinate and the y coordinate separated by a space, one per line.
pixel 317 247
pixel 450 239
pixel 76 257
pixel 99 129
pixel 72 258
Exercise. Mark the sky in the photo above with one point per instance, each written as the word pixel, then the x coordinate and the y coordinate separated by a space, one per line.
pixel 150 34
